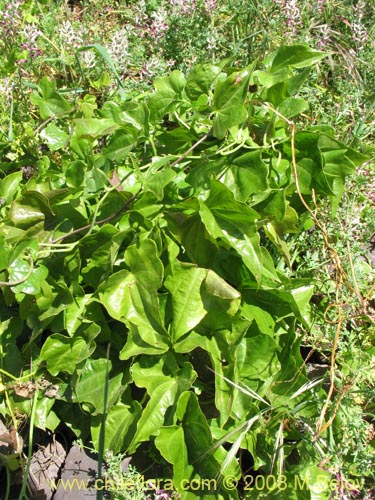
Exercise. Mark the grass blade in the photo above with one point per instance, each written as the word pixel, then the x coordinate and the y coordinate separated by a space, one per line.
pixel 103 53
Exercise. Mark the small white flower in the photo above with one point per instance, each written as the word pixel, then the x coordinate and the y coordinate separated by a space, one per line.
pixel 6 88
pixel 184 6
pixel 88 57
pixel 118 49
pixel 30 33
pixel 69 36
pixel 159 23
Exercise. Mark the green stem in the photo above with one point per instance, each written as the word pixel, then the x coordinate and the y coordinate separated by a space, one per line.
pixel 8 477
pixel 99 493
pixel 10 131
pixel 99 222
pixel 30 450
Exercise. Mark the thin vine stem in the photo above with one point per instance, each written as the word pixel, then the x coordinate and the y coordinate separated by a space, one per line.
pixel 22 280
pixel 99 222
pixel 341 279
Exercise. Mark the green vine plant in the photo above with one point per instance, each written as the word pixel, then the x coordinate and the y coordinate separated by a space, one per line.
pixel 163 224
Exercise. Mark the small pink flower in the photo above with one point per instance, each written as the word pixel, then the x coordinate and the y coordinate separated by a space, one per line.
pixel 209 6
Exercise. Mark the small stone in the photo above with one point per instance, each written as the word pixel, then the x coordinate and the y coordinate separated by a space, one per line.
pixel 78 476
